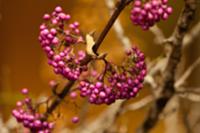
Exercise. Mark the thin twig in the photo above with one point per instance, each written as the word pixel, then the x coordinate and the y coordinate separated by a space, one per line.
pixel 138 105
pixel 186 121
pixel 190 94
pixel 192 35
pixel 187 73
pixel 103 122
pixel 118 27
pixel 58 99
pixel 120 6
pixel 159 35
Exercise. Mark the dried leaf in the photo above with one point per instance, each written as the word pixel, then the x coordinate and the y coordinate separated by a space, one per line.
pixel 89 45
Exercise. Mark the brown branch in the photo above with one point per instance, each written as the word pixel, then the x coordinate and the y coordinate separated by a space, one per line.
pixel 58 99
pixel 191 94
pixel 159 35
pixel 187 73
pixel 118 27
pixel 192 35
pixel 186 121
pixel 104 120
pixel 138 105
pixel 167 87
pixel 120 6
pixel 170 115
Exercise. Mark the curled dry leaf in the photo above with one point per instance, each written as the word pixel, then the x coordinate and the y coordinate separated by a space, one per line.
pixel 89 45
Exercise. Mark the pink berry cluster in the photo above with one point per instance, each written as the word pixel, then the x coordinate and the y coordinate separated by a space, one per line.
pixel 68 64
pixel 148 13
pixel 27 115
pixel 119 82
pixel 97 92
pixel 57 37
pixel 129 81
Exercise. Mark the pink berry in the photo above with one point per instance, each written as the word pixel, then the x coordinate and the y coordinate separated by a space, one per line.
pixel 75 119
pixel 73 95
pixel 46 17
pixel 52 83
pixel 55 40
pixel 58 9
pixel 24 91
pixel 19 103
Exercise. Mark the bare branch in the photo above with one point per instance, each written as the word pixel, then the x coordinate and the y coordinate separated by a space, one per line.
pixel 118 27
pixel 159 66
pixel 170 115
pixel 167 87
pixel 138 105
pixel 190 94
pixel 150 80
pixel 119 7
pixel 186 121
pixel 159 36
pixel 187 73
pixel 104 121
pixel 192 35
pixel 155 67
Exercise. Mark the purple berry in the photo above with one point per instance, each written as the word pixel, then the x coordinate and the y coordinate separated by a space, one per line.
pixel 75 119
pixel 24 91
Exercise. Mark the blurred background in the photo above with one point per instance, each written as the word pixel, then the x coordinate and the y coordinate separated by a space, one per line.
pixel 23 63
